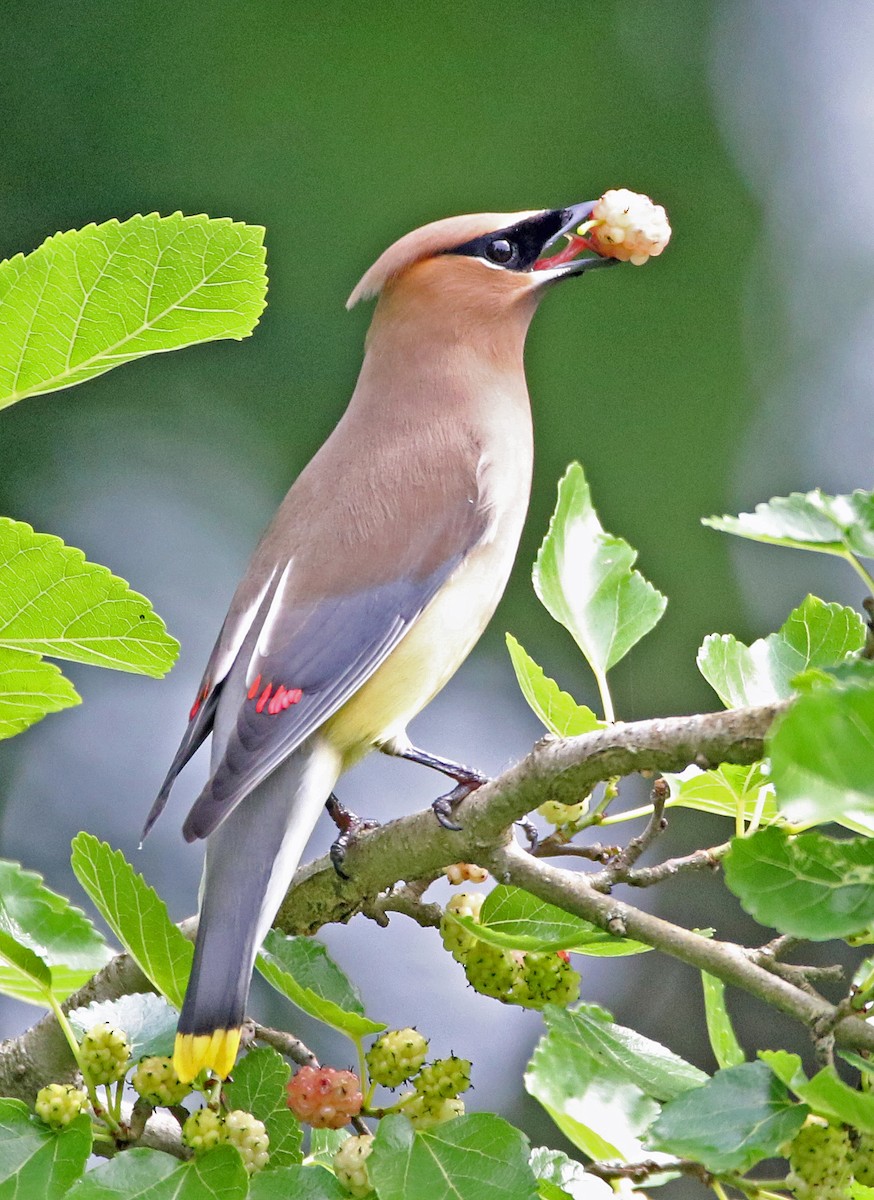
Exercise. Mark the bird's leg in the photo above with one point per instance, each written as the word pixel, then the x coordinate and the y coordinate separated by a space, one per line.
pixel 467 780
pixel 349 825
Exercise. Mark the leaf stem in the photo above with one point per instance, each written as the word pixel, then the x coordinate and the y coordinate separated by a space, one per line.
pixel 860 570
pixel 606 698
pixel 66 1028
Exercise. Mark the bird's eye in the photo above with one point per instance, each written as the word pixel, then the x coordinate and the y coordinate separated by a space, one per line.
pixel 500 250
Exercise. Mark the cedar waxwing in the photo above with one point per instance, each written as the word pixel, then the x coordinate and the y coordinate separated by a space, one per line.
pixel 372 584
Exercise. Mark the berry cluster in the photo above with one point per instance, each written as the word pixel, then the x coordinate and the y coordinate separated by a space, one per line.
pixel 563 814
pixel 323 1097
pixel 155 1079
pixel 396 1057
pixel 825 1159
pixel 628 226
pixel 205 1129
pixel 399 1056
pixel 60 1103
pixel 104 1053
pixel 462 872
pixel 525 977
pixel 819 1159
pixel 350 1164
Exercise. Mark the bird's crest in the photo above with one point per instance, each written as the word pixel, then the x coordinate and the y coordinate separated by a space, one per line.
pixel 436 238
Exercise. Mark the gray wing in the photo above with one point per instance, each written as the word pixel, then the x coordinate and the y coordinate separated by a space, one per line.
pixel 327 651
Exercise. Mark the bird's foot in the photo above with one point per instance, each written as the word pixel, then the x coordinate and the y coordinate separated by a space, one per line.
pixel 444 806
pixel 531 834
pixel 350 826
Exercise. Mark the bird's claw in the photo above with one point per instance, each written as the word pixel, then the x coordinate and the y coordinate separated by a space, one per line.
pixel 531 834
pixel 444 806
pixel 352 827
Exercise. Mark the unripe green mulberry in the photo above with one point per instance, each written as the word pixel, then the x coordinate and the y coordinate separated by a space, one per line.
pixel 458 941
pixel 350 1164
pixel 862 1159
pixel 545 978
pixel 60 1103
pixel 203 1130
pixel 819 1158
pixel 492 971
pixel 156 1081
pixel 443 1078
pixel 105 1053
pixel 396 1056
pixel 563 814
pixel 249 1136
pixel 426 1111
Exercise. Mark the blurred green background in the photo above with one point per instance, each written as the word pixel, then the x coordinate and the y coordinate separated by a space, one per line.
pixel 733 368
pixel 339 129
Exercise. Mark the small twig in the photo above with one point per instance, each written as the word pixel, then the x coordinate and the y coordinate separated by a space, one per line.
pixel 655 826
pixel 558 846
pixel 801 975
pixel 639 1172
pixel 776 948
pixel 287 1044
pixel 407 900
pixel 620 869
pixel 700 860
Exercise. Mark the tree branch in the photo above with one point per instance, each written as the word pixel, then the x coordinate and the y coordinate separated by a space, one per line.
pixel 572 892
pixel 557 769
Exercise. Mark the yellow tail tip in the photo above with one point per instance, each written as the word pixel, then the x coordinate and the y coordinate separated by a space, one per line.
pixel 216 1051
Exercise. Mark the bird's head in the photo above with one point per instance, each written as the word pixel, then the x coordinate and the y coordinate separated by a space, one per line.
pixel 485 263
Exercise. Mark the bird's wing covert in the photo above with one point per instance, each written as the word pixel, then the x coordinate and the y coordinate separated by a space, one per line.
pixel 306 662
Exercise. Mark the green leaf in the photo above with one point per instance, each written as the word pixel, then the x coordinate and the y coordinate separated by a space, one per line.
pixel 787 1067
pixel 814 635
pixel 584 578
pixel 559 1176
pixel 52 601
pixel 558 711
pixel 147 1019
pixel 723 1042
pixel 89 299
pixel 25 970
pixel 258 1087
pixel 478 1157
pixel 727 791
pixel 514 919
pixel 828 1095
pixel 808 521
pixel 36 1161
pixel 296 1183
pixel 859 1191
pixel 135 914
pixel 740 1116
pixel 808 886
pixel 324 1144
pixel 301 969
pixel 593 1100
pixel 624 1053
pixel 59 936
pixel 30 688
pixel 822 757
pixel 153 1175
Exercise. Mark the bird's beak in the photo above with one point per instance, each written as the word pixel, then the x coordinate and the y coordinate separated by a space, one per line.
pixel 569 251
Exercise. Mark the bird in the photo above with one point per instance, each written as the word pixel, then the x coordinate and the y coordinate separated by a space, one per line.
pixel 371 585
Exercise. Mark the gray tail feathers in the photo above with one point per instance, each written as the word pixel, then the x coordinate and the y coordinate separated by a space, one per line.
pixel 250 860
